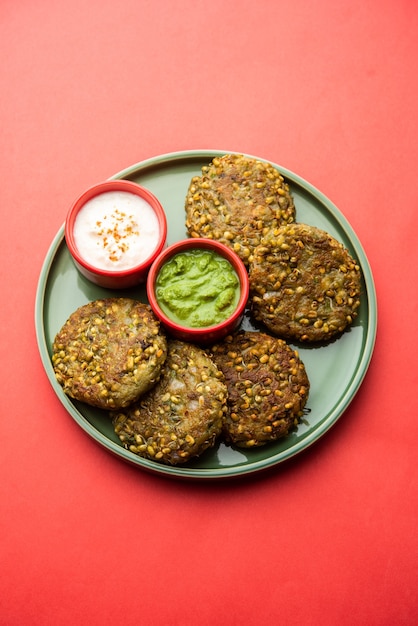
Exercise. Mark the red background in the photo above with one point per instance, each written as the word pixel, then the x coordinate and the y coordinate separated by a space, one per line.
pixel 327 89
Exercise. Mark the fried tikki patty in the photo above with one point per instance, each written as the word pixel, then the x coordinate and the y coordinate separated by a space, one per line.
pixel 304 284
pixel 109 352
pixel 182 415
pixel 267 387
pixel 236 200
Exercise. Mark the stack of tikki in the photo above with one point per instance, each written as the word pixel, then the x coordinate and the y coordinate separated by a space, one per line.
pixel 304 284
pixel 167 398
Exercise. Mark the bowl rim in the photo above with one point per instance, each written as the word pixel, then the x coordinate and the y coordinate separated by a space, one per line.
pixel 101 188
pixel 198 243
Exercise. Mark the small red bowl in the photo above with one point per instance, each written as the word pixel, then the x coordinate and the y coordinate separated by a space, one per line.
pixel 115 278
pixel 208 334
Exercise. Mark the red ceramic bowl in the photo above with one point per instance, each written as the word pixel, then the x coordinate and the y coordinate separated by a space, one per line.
pixel 210 333
pixel 135 271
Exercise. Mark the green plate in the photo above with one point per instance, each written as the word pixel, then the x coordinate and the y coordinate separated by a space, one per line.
pixel 336 370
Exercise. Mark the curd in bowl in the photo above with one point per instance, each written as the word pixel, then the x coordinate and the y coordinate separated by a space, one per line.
pixel 114 231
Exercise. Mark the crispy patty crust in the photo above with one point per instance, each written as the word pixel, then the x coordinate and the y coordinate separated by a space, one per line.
pixel 236 200
pixel 182 415
pixel 267 387
pixel 304 284
pixel 109 352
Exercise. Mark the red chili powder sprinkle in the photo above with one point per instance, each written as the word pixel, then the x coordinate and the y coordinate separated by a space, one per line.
pixel 123 228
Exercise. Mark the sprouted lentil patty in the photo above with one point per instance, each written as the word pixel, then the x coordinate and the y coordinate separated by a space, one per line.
pixel 267 387
pixel 236 200
pixel 304 284
pixel 109 352
pixel 182 415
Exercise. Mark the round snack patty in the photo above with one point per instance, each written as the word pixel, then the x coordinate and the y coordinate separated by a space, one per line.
pixel 236 200
pixel 182 415
pixel 109 352
pixel 304 284
pixel 267 387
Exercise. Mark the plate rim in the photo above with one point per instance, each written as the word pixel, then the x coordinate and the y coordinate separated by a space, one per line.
pixel 223 472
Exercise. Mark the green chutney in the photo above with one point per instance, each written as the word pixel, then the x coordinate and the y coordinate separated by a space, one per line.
pixel 197 288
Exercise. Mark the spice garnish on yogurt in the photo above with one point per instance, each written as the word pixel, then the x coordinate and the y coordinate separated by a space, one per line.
pixel 116 230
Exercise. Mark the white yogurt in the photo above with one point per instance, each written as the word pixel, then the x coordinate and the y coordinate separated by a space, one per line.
pixel 116 230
